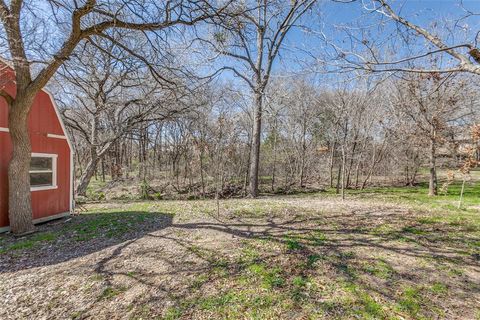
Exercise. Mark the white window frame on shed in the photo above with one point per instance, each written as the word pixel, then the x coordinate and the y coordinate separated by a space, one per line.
pixel 54 158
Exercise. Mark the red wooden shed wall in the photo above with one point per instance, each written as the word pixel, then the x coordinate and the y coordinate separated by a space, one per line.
pixel 42 121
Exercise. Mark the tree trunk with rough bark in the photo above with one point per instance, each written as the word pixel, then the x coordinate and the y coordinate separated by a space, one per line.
pixel 332 157
pixel 304 150
pixel 255 148
pixel 87 176
pixel 344 160
pixel 350 165
pixel 339 172
pixel 19 197
pixel 274 164
pixel 432 184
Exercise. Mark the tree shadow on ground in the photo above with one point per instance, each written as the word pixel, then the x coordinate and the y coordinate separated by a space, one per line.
pixel 77 236
pixel 74 237
pixel 412 240
pixel 303 240
pixel 175 263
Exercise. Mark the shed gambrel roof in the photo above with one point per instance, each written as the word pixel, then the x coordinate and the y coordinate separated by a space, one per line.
pixel 55 107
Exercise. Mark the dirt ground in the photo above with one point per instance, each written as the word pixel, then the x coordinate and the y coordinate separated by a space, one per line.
pixel 286 257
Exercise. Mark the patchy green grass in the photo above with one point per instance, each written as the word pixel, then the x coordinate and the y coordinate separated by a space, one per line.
pixel 439 288
pixel 312 257
pixel 380 268
pixel 111 292
pixel 292 244
pixel 411 301
pixel 28 242
pixel 231 304
pixel 269 277
pixel 108 224
pixel 418 196
pixel 364 305
pixel 308 276
pixel 312 260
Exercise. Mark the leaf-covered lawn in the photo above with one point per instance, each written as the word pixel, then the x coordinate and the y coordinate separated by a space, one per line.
pixel 303 257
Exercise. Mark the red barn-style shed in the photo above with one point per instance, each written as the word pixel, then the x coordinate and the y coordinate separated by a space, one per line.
pixel 51 167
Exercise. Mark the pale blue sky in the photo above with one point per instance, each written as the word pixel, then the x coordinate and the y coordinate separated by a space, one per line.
pixel 438 16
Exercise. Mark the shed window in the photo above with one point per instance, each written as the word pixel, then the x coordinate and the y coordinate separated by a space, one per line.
pixel 43 171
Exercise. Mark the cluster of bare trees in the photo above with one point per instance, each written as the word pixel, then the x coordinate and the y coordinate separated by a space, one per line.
pixel 314 136
pixel 141 94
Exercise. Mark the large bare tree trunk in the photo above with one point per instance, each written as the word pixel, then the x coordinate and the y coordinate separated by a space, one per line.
pixel 91 168
pixel 357 173
pixel 87 176
pixel 202 178
pixel 339 173
pixel 274 164
pixel 247 169
pixel 413 177
pixel 103 170
pixel 302 160
pixel 344 160
pixel 332 157
pixel 255 149
pixel 350 165
pixel 19 197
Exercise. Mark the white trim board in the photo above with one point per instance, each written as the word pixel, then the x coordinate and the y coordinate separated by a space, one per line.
pixel 46 155
pixel 56 136
pixel 49 135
